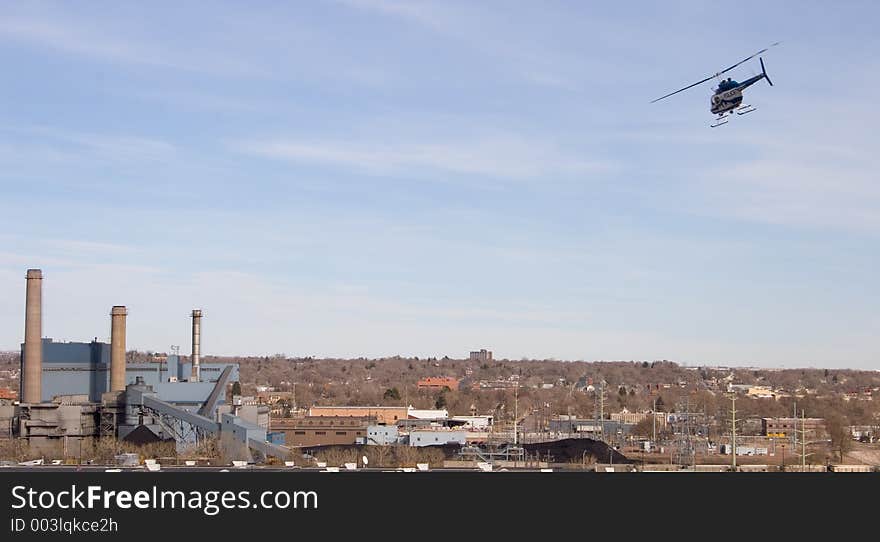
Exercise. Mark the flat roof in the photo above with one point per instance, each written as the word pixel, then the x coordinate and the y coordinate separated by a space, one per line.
pixel 361 407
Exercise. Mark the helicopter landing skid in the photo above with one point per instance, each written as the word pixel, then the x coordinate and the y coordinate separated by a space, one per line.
pixel 744 109
pixel 721 120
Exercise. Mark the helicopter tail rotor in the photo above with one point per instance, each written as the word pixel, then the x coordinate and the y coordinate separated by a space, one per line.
pixel 765 72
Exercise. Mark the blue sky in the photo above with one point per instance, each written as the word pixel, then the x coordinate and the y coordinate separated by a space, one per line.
pixel 370 177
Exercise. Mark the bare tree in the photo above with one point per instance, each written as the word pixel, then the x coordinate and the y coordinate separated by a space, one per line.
pixel 839 433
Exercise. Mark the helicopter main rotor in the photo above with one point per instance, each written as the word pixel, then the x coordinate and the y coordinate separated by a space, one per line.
pixel 716 74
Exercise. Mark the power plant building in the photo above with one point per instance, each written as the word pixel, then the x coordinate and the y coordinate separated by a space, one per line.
pixel 76 368
pixel 77 391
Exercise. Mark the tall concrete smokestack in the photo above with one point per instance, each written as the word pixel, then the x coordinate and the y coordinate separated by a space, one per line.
pixel 117 347
pixel 197 345
pixel 32 370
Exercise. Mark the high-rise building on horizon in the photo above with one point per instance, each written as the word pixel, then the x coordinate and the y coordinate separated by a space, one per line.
pixel 481 355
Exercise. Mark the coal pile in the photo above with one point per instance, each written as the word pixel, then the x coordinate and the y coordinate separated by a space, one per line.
pixel 565 450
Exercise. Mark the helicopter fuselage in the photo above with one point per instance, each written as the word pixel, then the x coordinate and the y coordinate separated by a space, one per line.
pixel 729 94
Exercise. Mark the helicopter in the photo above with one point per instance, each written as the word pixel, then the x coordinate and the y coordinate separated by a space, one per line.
pixel 728 95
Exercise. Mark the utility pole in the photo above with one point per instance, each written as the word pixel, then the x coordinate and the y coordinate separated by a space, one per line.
pixel 687 430
pixel 803 441
pixel 733 430
pixel 602 409
pixel 783 457
pixel 515 410
pixel 654 416
pixel 569 421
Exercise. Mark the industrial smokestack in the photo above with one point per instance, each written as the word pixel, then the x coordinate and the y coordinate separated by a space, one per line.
pixel 196 345
pixel 32 370
pixel 117 348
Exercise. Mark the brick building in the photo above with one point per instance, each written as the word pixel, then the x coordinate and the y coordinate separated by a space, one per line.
pixel 322 430
pixel 438 383
pixel 8 394
pixel 786 427
pixel 385 415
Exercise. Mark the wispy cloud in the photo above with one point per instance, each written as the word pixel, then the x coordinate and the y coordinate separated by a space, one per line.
pixel 190 100
pixel 62 252
pixel 422 12
pixel 497 157
pixel 62 144
pixel 125 36
pixel 819 173
pixel 467 24
pixel 81 246
pixel 796 193
pixel 109 42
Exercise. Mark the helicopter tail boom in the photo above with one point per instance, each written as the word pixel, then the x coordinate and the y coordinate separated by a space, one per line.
pixel 765 72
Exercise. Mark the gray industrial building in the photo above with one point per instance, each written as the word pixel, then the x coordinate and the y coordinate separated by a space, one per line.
pixel 71 368
pixel 381 435
pixel 437 437
pixel 245 408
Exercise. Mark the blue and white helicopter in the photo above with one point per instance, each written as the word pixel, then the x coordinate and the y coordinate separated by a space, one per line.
pixel 728 96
